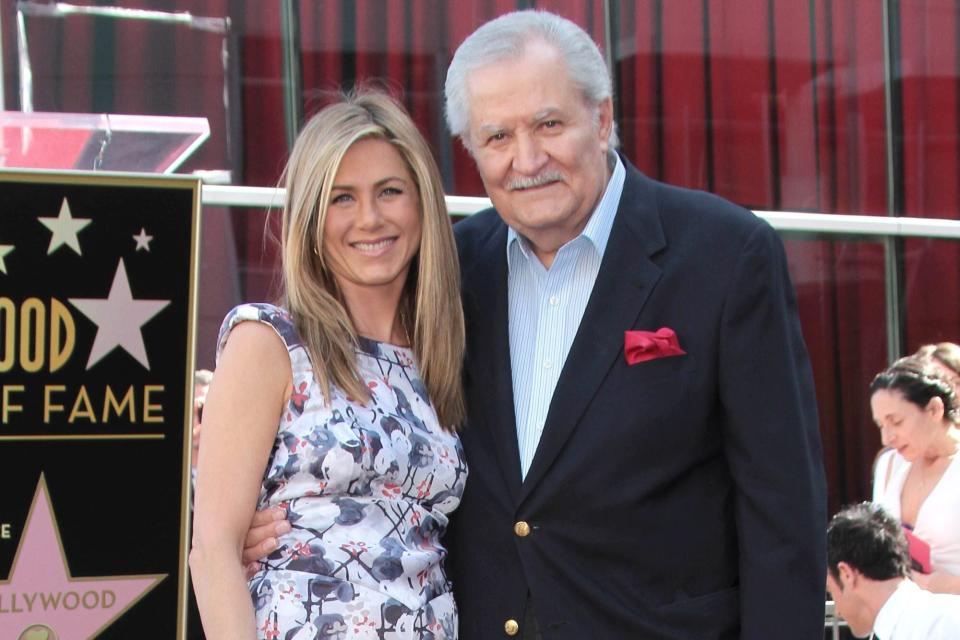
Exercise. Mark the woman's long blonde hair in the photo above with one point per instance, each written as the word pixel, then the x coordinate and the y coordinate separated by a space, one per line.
pixel 430 306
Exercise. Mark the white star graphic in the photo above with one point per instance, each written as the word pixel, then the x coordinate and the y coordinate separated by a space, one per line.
pixel 65 228
pixel 5 249
pixel 143 240
pixel 119 318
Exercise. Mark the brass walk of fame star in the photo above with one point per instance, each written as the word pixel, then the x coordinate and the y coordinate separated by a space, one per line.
pixel 42 600
pixel 118 318
pixel 65 228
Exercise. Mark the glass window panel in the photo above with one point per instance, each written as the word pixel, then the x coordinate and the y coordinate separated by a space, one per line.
pixel 929 65
pixel 95 64
pixel 840 293
pixel 405 47
pixel 776 105
pixel 773 105
pixel 932 288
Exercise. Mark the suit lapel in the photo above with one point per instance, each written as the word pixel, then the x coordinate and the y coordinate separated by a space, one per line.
pixel 626 278
pixel 490 355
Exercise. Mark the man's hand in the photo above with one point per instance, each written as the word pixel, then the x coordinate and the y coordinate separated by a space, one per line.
pixel 261 538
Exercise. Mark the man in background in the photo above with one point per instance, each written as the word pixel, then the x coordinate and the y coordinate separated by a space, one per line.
pixel 868 564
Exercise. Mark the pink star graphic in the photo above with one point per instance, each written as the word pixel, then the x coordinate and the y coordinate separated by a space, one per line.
pixel 40 592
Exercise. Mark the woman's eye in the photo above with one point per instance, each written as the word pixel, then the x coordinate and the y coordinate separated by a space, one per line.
pixel 341 198
pixel 391 191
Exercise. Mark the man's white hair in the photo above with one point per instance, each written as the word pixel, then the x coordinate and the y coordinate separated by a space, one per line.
pixel 506 38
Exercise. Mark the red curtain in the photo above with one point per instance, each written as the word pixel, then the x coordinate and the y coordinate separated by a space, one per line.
pixel 929 53
pixel 775 105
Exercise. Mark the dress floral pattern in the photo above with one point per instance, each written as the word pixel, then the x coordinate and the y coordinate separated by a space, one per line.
pixel 367 489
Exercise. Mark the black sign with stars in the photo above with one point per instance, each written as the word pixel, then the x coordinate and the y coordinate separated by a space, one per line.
pixel 98 281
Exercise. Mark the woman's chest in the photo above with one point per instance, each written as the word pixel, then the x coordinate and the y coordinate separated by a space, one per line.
pixel 391 446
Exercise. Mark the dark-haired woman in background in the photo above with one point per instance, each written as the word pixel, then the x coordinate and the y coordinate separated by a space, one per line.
pixel 917 479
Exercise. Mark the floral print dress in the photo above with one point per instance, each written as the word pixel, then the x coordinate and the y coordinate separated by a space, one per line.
pixel 367 489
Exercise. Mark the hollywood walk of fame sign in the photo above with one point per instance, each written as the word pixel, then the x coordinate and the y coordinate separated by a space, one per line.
pixel 98 280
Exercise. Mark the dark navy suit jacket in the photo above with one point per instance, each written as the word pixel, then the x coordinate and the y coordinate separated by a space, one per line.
pixel 682 497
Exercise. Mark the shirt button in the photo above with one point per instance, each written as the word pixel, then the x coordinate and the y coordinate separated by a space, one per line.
pixel 554 301
pixel 522 529
pixel 511 627
pixel 547 363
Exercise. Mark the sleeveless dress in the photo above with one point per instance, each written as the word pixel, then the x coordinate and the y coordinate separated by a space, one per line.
pixel 938 519
pixel 367 489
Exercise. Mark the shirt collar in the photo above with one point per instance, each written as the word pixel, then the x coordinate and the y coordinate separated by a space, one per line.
pixel 898 602
pixel 597 230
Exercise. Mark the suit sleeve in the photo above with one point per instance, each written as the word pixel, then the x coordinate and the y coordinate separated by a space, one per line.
pixel 772 444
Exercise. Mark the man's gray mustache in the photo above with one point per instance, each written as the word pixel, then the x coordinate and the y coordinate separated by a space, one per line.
pixel 534 181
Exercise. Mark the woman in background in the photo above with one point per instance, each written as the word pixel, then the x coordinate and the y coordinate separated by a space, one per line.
pixel 341 405
pixel 918 479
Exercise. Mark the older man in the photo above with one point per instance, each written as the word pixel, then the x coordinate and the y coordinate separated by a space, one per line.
pixel 868 564
pixel 642 437
pixel 643 443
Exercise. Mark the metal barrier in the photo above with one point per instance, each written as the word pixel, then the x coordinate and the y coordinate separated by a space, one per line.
pixel 794 221
pixel 832 621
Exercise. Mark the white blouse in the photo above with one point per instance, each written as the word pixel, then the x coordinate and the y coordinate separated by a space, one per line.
pixel 938 519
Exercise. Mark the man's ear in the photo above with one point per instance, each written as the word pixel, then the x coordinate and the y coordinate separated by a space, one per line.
pixel 848 575
pixel 605 121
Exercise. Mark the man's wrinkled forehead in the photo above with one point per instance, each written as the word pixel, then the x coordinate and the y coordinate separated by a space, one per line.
pixel 491 126
pixel 489 107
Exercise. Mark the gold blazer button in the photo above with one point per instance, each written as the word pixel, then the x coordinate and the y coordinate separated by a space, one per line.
pixel 522 529
pixel 510 627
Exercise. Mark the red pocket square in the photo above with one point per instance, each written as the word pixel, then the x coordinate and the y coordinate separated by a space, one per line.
pixel 640 346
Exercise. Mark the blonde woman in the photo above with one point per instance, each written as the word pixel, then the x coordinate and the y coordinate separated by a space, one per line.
pixel 340 406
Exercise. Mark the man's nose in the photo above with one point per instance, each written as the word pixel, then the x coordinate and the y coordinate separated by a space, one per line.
pixel 530 157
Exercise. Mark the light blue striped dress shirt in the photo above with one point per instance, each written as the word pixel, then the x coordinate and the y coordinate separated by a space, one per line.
pixel 545 311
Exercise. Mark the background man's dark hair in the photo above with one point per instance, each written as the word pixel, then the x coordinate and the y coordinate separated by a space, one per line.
pixel 869 540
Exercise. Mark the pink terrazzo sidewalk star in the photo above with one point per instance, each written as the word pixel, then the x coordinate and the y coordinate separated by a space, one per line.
pixel 42 597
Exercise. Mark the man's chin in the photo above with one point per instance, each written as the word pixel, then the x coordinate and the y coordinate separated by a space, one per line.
pixel 533 222
pixel 539 213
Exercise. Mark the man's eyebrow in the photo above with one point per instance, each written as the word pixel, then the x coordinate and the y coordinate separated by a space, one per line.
pixel 491 128
pixel 543 114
